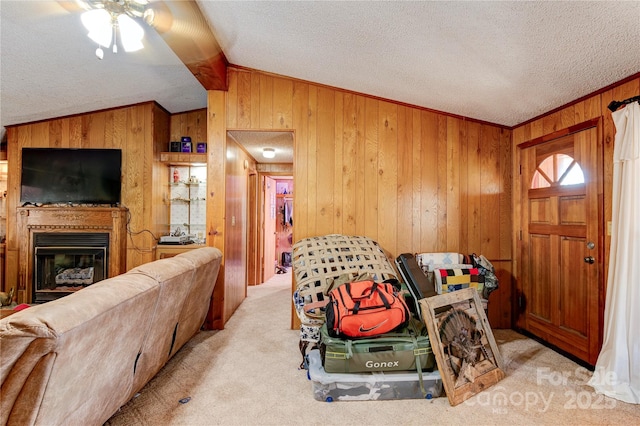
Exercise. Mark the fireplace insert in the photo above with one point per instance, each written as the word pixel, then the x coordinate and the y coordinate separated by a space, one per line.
pixel 68 262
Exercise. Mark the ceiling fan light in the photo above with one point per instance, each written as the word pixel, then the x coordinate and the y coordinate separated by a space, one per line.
pixel 98 22
pixel 131 33
pixel 268 153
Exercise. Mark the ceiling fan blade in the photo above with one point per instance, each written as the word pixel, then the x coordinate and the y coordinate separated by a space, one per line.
pixel 183 27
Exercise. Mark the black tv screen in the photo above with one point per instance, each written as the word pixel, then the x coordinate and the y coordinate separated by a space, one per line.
pixel 70 176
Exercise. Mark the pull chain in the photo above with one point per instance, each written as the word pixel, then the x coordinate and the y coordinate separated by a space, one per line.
pixel 115 36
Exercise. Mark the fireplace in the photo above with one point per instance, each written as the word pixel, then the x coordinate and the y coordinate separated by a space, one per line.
pixel 63 249
pixel 68 262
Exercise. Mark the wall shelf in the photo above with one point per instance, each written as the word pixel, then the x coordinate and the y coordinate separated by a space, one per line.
pixel 183 158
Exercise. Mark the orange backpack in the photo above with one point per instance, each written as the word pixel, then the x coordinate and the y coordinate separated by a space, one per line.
pixel 365 308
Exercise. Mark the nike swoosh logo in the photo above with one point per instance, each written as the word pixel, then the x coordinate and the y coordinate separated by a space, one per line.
pixel 367 330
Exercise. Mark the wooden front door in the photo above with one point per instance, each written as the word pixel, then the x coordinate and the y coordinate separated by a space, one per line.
pixel 560 243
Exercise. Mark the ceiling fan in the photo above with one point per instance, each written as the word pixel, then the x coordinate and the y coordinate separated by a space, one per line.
pixel 179 22
pixel 105 19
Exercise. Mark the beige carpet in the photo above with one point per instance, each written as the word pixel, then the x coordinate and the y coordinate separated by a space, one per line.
pixel 247 374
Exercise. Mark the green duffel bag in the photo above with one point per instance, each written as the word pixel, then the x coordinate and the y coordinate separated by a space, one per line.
pixel 405 350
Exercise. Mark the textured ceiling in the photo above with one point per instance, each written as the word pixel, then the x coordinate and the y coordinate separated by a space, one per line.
pixel 502 62
pixel 254 142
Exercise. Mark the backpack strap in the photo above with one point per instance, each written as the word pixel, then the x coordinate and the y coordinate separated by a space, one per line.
pixel 417 353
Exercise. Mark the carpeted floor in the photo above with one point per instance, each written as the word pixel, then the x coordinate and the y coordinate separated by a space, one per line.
pixel 247 374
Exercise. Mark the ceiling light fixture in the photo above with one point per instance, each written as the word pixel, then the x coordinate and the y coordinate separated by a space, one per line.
pixel 107 18
pixel 268 153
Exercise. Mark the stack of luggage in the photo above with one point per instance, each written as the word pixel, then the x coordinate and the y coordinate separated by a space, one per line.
pixel 362 336
pixel 440 273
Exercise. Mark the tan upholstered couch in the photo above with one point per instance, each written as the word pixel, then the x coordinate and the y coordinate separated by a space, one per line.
pixel 76 360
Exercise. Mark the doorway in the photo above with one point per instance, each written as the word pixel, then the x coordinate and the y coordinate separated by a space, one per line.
pixel 266 197
pixel 276 225
pixel 560 259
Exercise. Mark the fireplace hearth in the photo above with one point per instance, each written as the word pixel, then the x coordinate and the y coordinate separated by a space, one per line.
pixel 66 249
pixel 68 262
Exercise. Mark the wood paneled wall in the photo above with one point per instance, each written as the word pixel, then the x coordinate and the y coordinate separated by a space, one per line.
pixel 590 108
pixel 139 130
pixel 237 223
pixel 412 179
pixel 227 186
pixel 190 123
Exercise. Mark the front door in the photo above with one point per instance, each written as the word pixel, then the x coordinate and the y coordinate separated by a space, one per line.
pixel 560 243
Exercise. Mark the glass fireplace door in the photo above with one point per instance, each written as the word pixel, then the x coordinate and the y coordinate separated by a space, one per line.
pixel 68 262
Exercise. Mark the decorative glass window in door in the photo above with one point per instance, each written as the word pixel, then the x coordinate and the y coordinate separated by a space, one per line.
pixel 557 169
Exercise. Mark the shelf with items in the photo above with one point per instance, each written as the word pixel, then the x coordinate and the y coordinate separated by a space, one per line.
pixel 183 158
pixel 186 199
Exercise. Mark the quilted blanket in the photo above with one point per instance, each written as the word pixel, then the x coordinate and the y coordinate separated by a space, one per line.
pixel 448 280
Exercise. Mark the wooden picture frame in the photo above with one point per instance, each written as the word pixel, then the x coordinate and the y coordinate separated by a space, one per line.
pixel 463 343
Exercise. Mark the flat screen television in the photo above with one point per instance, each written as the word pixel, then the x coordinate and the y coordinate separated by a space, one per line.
pixel 70 176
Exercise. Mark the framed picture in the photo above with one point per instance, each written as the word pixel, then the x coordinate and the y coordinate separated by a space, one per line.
pixel 462 341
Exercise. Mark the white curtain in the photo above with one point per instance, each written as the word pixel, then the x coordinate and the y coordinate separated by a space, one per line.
pixel 617 372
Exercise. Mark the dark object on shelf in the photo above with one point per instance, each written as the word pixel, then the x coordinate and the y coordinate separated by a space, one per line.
pixel 201 147
pixel 175 146
pixel 186 139
pixel 186 146
pixel 286 258
pixel 176 243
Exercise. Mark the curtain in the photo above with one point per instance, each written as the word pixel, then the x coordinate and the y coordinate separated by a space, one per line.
pixel 617 372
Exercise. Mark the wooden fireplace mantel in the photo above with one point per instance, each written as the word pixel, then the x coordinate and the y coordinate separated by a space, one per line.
pixel 32 220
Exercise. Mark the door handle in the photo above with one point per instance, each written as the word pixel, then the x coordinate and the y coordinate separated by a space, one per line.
pixel 589 259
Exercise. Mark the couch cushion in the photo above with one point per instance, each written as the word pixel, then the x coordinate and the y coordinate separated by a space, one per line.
pixel 207 262
pixel 175 277
pixel 81 349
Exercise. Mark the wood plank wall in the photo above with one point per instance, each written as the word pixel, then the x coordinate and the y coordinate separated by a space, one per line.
pixel 190 123
pixel 237 226
pixel 590 108
pixel 412 179
pixel 227 221
pixel 139 130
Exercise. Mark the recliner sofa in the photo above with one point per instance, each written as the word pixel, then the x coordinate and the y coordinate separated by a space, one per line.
pixel 78 359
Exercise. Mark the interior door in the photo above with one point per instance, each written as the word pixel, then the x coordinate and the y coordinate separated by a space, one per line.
pixel 269 229
pixel 253 261
pixel 560 244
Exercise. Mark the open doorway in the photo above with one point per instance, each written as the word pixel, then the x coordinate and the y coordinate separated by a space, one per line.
pixel 275 224
pixel 270 204
pixel 284 222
